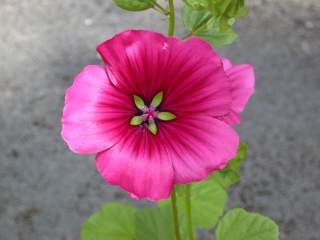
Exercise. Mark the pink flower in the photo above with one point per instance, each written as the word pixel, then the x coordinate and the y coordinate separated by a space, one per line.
pixel 158 113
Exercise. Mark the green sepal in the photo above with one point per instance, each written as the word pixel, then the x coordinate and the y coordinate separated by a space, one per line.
pixel 166 116
pixel 136 120
pixel 153 128
pixel 138 101
pixel 157 99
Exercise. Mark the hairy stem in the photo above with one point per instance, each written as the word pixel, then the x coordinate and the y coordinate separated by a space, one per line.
pixel 171 18
pixel 175 215
pixel 188 212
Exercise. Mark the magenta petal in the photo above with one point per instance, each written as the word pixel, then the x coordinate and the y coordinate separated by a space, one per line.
pixel 232 118
pixel 139 164
pixel 95 113
pixel 195 80
pixel 135 58
pixel 226 64
pixel 198 146
pixel 242 79
pixel 189 72
pixel 184 150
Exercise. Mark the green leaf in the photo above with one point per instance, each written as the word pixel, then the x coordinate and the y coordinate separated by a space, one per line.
pixel 134 5
pixel 236 163
pixel 138 101
pixel 243 12
pixel 197 4
pixel 208 199
pixel 180 189
pixel 157 99
pixel 231 8
pixel 166 116
pixel 154 223
pixel 212 20
pixel 218 38
pixel 113 221
pixel 231 173
pixel 208 26
pixel 195 19
pixel 238 224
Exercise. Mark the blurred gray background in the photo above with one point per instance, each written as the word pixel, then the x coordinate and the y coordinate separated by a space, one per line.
pixel 46 191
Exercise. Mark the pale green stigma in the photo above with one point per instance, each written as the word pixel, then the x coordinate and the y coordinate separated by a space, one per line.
pixel 157 100
pixel 138 101
pixel 166 116
pixel 149 115
pixel 153 128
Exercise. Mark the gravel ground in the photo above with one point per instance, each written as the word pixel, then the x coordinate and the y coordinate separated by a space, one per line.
pixel 47 191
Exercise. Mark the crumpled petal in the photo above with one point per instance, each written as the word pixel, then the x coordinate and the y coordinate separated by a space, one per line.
pixel 242 80
pixel 95 114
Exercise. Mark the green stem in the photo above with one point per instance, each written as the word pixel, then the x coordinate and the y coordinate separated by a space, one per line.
pixel 175 214
pixel 173 194
pixel 171 18
pixel 188 212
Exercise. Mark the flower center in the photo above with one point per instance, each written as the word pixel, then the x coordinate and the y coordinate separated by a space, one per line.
pixel 150 114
